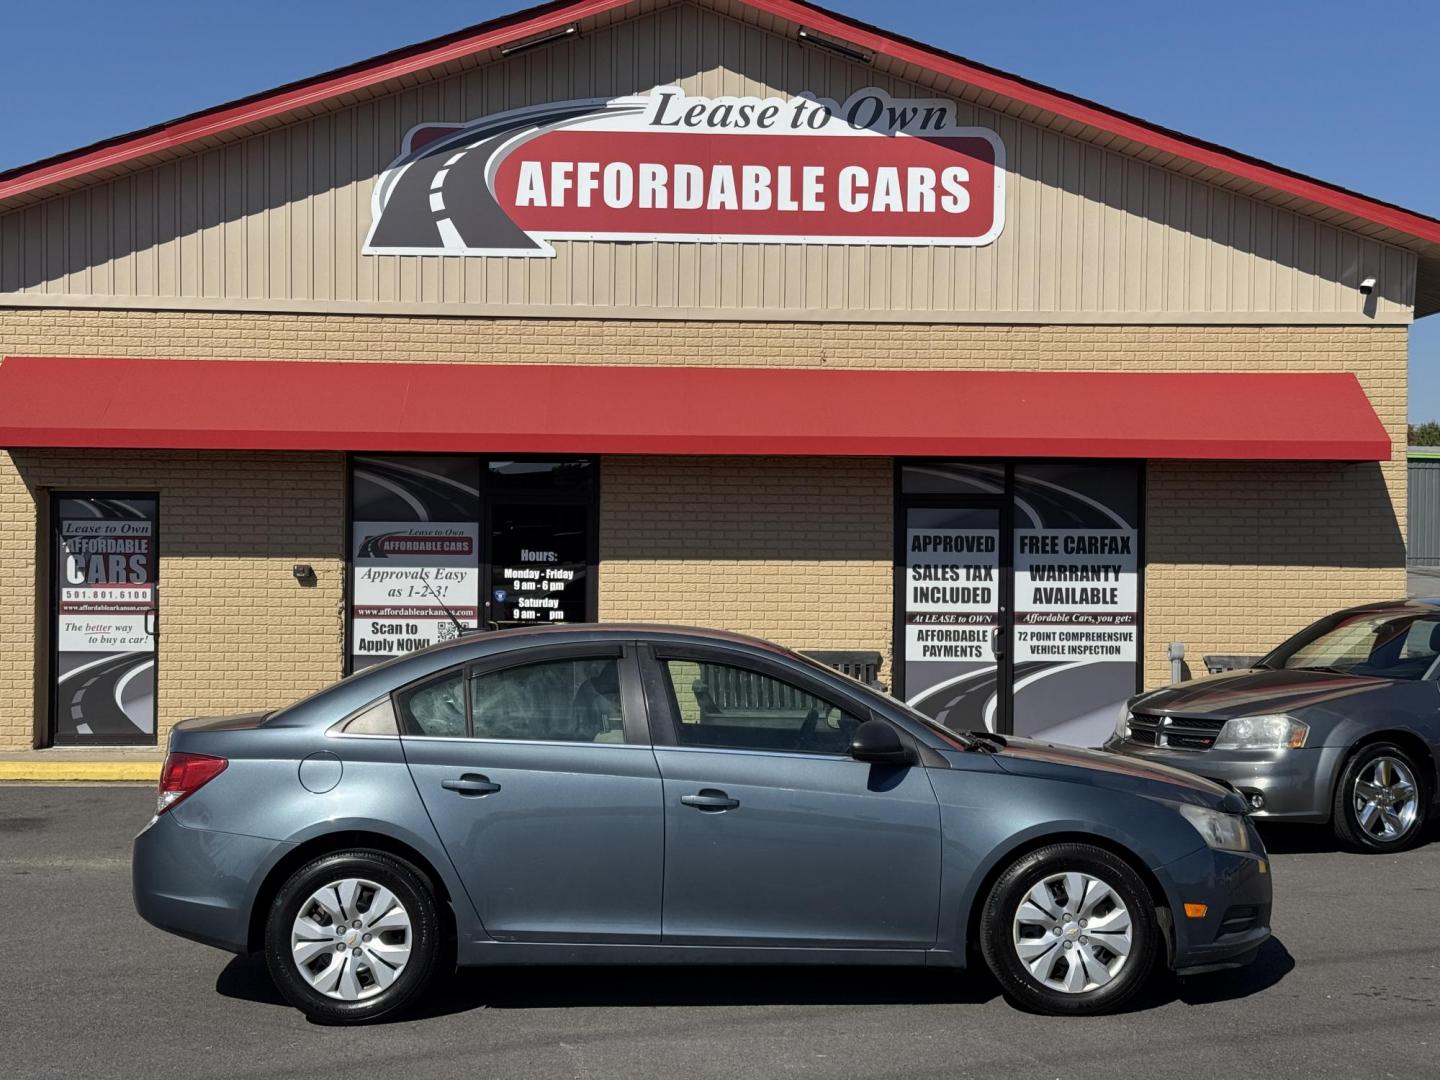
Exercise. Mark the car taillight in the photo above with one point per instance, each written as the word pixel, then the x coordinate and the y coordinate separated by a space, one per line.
pixel 183 775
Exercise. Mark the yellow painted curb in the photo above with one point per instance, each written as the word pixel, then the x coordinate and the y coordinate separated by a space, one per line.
pixel 80 770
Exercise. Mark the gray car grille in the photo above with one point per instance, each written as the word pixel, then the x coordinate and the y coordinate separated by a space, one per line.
pixel 1174 732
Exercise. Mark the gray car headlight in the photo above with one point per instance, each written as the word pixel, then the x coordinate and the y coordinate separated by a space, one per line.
pixel 1225 832
pixel 1272 732
pixel 1122 722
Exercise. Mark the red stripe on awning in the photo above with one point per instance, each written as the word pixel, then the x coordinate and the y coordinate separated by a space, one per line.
pixel 593 409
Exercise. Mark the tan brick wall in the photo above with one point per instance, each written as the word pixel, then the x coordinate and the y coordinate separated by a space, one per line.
pixel 1239 555
pixel 237 631
pixel 795 549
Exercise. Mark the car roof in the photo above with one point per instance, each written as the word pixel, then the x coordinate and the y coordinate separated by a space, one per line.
pixel 1409 606
pixel 600 631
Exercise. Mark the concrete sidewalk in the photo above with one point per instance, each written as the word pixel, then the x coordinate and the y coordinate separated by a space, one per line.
pixel 61 763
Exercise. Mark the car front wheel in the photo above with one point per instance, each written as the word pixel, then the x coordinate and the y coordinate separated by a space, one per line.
pixel 1380 801
pixel 1070 929
pixel 352 936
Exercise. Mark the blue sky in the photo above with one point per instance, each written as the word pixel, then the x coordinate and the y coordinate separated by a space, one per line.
pixel 1343 91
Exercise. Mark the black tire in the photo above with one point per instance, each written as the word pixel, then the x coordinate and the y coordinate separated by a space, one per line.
pixel 414 894
pixel 1345 816
pixel 997 930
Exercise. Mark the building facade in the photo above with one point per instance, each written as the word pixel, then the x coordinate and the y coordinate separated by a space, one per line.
pixel 728 313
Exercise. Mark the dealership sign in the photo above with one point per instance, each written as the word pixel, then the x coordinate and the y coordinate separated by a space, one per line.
pixel 666 166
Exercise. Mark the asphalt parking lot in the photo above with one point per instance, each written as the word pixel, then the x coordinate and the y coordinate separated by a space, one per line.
pixel 1349 987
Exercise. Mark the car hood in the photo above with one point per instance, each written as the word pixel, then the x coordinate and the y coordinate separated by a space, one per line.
pixel 1248 693
pixel 1102 769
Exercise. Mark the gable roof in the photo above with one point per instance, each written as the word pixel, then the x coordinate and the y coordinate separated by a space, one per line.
pixel 903 57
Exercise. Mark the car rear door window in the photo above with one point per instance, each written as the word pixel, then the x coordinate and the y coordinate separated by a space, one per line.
pixel 723 706
pixel 435 708
pixel 570 700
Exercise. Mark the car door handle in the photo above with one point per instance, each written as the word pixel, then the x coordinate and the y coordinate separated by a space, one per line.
pixel 710 801
pixel 471 784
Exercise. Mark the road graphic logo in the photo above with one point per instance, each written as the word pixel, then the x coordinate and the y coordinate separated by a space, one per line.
pixel 666 166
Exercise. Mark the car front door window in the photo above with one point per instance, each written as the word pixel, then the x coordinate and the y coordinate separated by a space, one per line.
pixel 723 706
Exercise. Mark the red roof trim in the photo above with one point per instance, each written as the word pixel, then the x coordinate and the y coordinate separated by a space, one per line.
pixel 635 409
pixel 499 32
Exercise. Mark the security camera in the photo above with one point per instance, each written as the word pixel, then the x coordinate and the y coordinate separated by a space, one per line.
pixel 1367 286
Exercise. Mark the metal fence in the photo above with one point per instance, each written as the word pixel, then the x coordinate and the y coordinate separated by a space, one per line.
pixel 1424 545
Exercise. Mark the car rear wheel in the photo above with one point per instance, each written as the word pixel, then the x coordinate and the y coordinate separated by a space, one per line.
pixel 352 936
pixel 1070 929
pixel 1380 801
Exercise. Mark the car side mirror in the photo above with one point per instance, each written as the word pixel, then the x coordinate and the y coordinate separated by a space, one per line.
pixel 877 742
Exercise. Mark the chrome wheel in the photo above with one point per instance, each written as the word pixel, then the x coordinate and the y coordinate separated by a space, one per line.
pixel 1072 932
pixel 1386 799
pixel 351 939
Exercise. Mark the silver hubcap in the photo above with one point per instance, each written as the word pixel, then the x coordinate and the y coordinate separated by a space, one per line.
pixel 1073 932
pixel 351 939
pixel 1386 799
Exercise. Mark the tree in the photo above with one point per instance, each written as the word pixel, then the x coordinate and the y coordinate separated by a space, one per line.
pixel 1426 434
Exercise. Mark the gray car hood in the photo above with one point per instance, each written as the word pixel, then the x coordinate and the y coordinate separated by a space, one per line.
pixel 1101 769
pixel 1249 693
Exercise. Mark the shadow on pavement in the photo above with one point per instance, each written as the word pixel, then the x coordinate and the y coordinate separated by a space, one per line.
pixel 1285 839
pixel 557 987
pixel 1272 964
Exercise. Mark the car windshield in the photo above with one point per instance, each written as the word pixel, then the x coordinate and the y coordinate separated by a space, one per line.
pixel 1390 645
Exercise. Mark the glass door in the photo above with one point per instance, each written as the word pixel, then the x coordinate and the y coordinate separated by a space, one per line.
pixel 105 617
pixel 952 610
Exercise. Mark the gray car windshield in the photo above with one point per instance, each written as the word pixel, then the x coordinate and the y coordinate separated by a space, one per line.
pixel 1379 644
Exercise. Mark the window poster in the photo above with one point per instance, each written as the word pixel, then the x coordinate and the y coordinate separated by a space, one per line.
pixel 1076 597
pixel 951 613
pixel 415 553
pixel 106 618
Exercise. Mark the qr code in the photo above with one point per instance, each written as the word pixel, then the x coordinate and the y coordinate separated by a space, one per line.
pixel 446 631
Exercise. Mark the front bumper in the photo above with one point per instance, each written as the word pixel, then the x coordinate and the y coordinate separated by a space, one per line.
pixel 1297 785
pixel 199 883
pixel 1236 891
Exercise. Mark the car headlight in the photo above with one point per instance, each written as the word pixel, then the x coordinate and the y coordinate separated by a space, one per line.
pixel 1226 832
pixel 1277 732
pixel 1122 722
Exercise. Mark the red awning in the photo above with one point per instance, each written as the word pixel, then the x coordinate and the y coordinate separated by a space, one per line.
pixel 633 409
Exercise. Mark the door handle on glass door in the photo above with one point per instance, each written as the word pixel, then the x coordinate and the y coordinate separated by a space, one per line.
pixel 471 784
pixel 710 801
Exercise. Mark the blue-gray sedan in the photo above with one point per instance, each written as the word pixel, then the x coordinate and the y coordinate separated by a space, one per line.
pixel 637 794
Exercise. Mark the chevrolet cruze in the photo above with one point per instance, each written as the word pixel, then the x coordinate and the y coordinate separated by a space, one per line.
pixel 629 794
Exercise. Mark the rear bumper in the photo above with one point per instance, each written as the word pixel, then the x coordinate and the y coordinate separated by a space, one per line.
pixel 1236 891
pixel 198 883
pixel 1296 784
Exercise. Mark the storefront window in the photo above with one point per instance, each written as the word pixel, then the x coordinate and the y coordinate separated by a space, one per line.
pixel 1018 594
pixel 106 613
pixel 443 545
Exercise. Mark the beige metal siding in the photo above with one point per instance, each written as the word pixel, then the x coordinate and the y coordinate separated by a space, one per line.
pixel 277 220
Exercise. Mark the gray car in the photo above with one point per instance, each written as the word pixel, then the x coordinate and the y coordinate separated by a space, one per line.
pixel 1340 724
pixel 626 794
